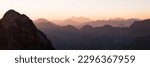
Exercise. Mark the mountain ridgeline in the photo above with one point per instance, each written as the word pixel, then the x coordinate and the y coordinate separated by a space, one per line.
pixel 106 37
pixel 17 32
pixel 79 22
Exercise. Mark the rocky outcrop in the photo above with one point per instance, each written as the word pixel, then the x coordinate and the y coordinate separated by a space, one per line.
pixel 17 31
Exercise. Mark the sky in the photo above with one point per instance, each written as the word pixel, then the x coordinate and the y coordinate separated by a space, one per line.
pixel 93 9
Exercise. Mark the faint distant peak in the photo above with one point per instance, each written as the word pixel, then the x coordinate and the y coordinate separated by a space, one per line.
pixel 41 20
pixel 80 19
pixel 117 19
pixel 44 21
pixel 70 20
pixel 69 27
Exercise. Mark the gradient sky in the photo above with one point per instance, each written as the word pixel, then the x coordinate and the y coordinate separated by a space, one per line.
pixel 94 9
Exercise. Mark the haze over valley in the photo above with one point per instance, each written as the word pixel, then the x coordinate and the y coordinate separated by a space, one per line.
pixel 107 36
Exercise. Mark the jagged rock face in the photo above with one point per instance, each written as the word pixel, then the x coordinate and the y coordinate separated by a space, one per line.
pixel 17 31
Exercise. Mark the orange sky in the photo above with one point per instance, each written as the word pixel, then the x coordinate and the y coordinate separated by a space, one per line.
pixel 94 9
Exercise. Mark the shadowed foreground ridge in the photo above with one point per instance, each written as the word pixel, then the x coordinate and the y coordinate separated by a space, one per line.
pixel 17 31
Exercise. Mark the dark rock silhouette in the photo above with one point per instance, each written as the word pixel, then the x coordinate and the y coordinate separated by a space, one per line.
pixel 87 27
pixel 141 43
pixel 145 24
pixel 18 32
pixel 140 28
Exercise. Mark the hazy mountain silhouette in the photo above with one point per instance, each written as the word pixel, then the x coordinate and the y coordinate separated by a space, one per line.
pixel 44 24
pixel 17 31
pixel 63 33
pixel 79 22
pixel 67 22
pixel 114 22
pixel 80 19
pixel 72 21
pixel 101 37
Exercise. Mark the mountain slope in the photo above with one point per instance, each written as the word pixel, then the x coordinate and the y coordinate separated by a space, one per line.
pixel 18 32
pixel 106 37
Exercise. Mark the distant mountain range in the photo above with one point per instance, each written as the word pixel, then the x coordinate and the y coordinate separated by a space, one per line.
pixel 79 22
pixel 17 32
pixel 72 21
pixel 112 22
pixel 132 35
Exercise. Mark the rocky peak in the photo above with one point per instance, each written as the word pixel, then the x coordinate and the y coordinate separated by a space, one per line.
pixel 11 14
pixel 13 19
pixel 19 32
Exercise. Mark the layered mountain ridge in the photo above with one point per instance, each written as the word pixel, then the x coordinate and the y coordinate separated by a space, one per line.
pixel 136 36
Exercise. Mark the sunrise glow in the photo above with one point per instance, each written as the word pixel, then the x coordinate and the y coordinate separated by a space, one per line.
pixel 94 9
